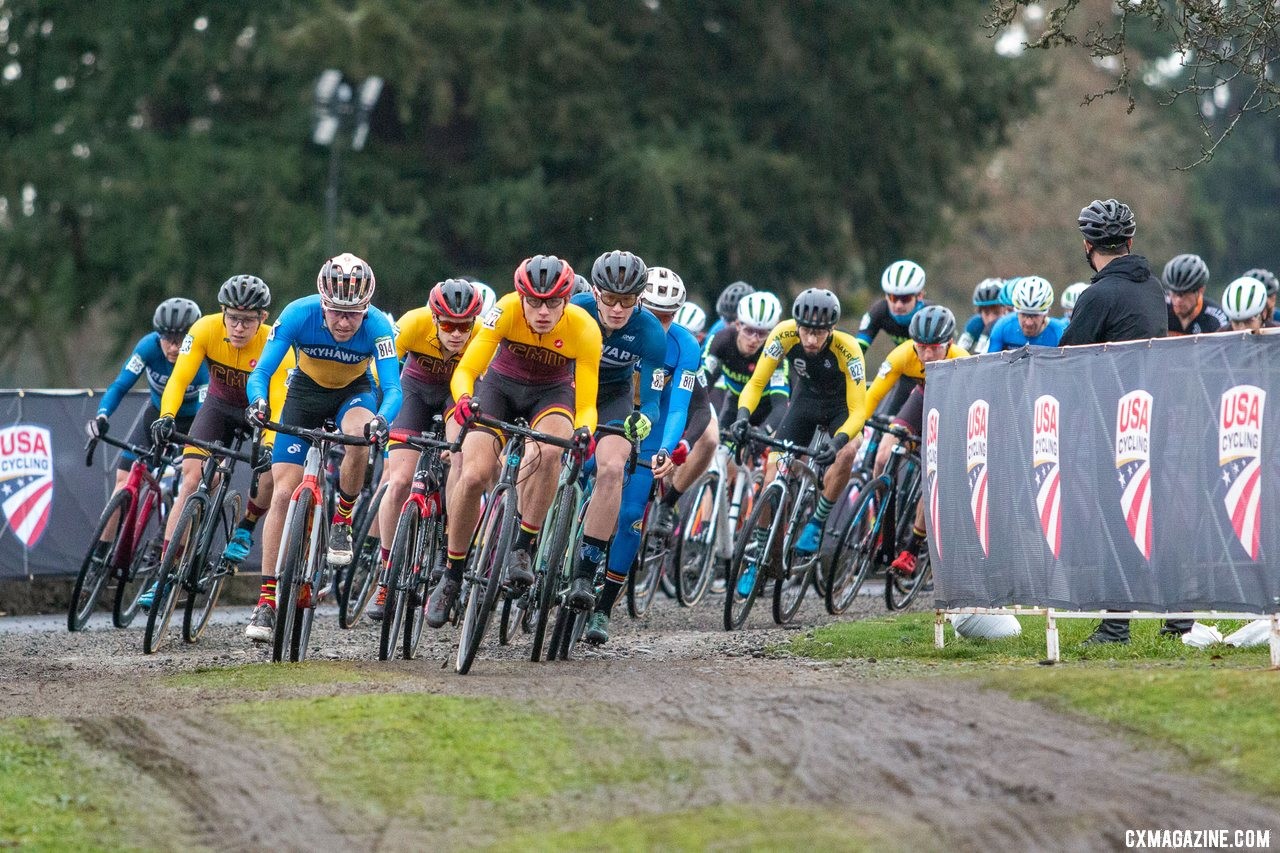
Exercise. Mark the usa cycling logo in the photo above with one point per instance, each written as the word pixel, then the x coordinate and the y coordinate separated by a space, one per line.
pixel 975 451
pixel 1133 465
pixel 1045 468
pixel 931 475
pixel 1240 458
pixel 26 480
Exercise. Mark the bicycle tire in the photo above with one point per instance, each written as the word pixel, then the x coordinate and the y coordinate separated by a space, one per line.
pixel 498 529
pixel 399 573
pixel 358 579
pixel 415 616
pixel 148 545
pixel 791 584
pixel 94 570
pixel 646 572
pixel 203 591
pixel 839 520
pixel 552 563
pixel 738 607
pixel 699 531
pixel 294 549
pixel 855 553
pixel 179 557
pixel 900 591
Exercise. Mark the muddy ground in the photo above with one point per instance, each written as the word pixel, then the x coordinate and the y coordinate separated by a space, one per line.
pixel 972 767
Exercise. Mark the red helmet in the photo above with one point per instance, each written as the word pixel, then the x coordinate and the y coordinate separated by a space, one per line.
pixel 455 299
pixel 544 277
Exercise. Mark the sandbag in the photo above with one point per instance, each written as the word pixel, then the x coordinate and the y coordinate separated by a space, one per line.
pixel 985 626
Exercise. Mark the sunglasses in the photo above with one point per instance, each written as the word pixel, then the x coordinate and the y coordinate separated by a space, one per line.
pixel 902 300
pixel 614 300
pixel 551 302
pixel 753 333
pixel 349 316
pixel 449 326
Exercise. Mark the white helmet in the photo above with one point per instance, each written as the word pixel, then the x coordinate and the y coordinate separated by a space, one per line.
pixel 760 311
pixel 1032 295
pixel 487 297
pixel 346 282
pixel 902 278
pixel 1072 293
pixel 1244 298
pixel 663 290
pixel 692 317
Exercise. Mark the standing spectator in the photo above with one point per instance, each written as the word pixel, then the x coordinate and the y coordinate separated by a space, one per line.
pixel 1124 302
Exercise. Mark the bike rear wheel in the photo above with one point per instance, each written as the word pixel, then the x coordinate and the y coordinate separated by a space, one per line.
pixel 430 543
pixel 498 530
pixel 647 570
pixel 294 552
pixel 698 542
pixel 745 550
pixel 399 578
pixel 148 545
pixel 358 579
pixel 175 569
pixel 855 553
pixel 551 566
pixel 203 591
pixel 793 581
pixel 97 562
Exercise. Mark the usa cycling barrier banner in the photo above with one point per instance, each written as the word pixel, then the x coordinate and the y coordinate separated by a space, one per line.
pixel 1131 476
pixel 51 501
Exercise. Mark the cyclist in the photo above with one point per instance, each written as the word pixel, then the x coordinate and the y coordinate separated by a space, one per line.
pixel 903 286
pixel 727 306
pixel 545 370
pixel 1069 297
pixel 487 296
pixel 663 294
pixel 580 285
pixel 1190 313
pixel 931 331
pixel 830 384
pixel 1030 325
pixel 692 317
pixel 1268 278
pixel 730 359
pixel 227 345
pixel 335 335
pixel 429 341
pixel 633 342
pixel 155 355
pixel 1245 301
pixel 986 298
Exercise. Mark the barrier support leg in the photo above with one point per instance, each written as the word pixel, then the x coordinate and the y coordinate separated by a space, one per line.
pixel 1051 636
pixel 1275 640
pixel 940 633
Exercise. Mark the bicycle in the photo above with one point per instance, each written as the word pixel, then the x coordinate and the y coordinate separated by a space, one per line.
pixel 417 554
pixel 193 561
pixel 881 525
pixel 353 584
pixel 136 514
pixel 653 562
pixel 712 519
pixel 842 513
pixel 302 568
pixel 485 573
pixel 790 499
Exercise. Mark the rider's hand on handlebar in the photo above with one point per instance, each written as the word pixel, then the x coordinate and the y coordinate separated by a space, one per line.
pixel 462 410
pixel 661 464
pixel 162 429
pixel 740 428
pixel 257 413
pixel 97 427
pixel 636 427
pixel 830 448
pixel 585 442
pixel 377 430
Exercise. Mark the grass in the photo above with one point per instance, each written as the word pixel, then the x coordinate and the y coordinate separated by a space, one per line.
pixel 268 676
pixel 55 795
pixel 729 828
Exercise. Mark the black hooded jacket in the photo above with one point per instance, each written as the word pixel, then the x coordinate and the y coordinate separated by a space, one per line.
pixel 1125 302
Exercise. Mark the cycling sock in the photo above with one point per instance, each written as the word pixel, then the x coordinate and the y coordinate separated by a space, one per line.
pixel 346 504
pixel 590 556
pixel 609 595
pixel 672 495
pixel 268 593
pixel 457 562
pixel 103 548
pixel 824 509
pixel 917 537
pixel 384 554
pixel 164 546
pixel 524 538
pixel 251 516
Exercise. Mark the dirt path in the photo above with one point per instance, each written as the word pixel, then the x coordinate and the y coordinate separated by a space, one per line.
pixel 978 769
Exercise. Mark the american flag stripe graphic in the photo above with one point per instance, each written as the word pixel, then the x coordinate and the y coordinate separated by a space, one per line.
pixel 28 507
pixel 978 505
pixel 1136 503
pixel 1243 499
pixel 1048 501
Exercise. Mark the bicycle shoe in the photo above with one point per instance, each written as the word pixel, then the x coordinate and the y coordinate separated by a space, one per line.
pixel 148 598
pixel 905 564
pixel 340 545
pixel 664 522
pixel 237 550
pixel 747 580
pixel 262 624
pixel 518 569
pixel 582 595
pixel 379 604
pixel 810 538
pixel 598 628
pixel 441 601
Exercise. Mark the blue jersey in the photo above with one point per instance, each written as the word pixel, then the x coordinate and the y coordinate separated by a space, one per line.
pixel 680 370
pixel 149 358
pixel 976 337
pixel 1007 334
pixel 325 361
pixel 639 346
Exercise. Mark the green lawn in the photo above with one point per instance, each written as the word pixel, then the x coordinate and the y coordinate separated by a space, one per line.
pixel 268 676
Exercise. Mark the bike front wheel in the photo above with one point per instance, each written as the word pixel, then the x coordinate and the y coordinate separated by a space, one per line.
pixel 855 553
pixel 357 583
pixel 97 563
pixel 698 542
pixel 148 545
pixel 294 552
pixel 750 559
pixel 175 569
pixel 497 531
pixel 398 580
pixel 203 591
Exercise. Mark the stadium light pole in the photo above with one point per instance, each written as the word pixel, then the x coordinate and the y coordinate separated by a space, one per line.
pixel 340 109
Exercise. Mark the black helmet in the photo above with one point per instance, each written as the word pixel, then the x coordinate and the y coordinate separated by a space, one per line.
pixel 988 292
pixel 619 272
pixel 933 324
pixel 1267 277
pixel 455 299
pixel 244 291
pixel 1185 273
pixel 727 301
pixel 175 316
pixel 580 285
pixel 816 308
pixel 1107 224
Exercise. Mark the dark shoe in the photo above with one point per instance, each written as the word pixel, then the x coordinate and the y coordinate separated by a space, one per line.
pixel 1175 628
pixel 665 520
pixel 598 628
pixel 441 601
pixel 379 604
pixel 518 569
pixel 582 595
pixel 1110 631
pixel 340 545
pixel 262 624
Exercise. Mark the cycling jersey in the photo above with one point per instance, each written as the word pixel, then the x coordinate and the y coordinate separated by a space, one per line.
pixel 418 345
pixel 1210 319
pixel 206 347
pixel 149 358
pixel 730 370
pixel 834 372
pixel 680 375
pixel 327 363
pixel 977 335
pixel 505 344
pixel 902 361
pixel 880 319
pixel 1007 334
pixel 639 346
